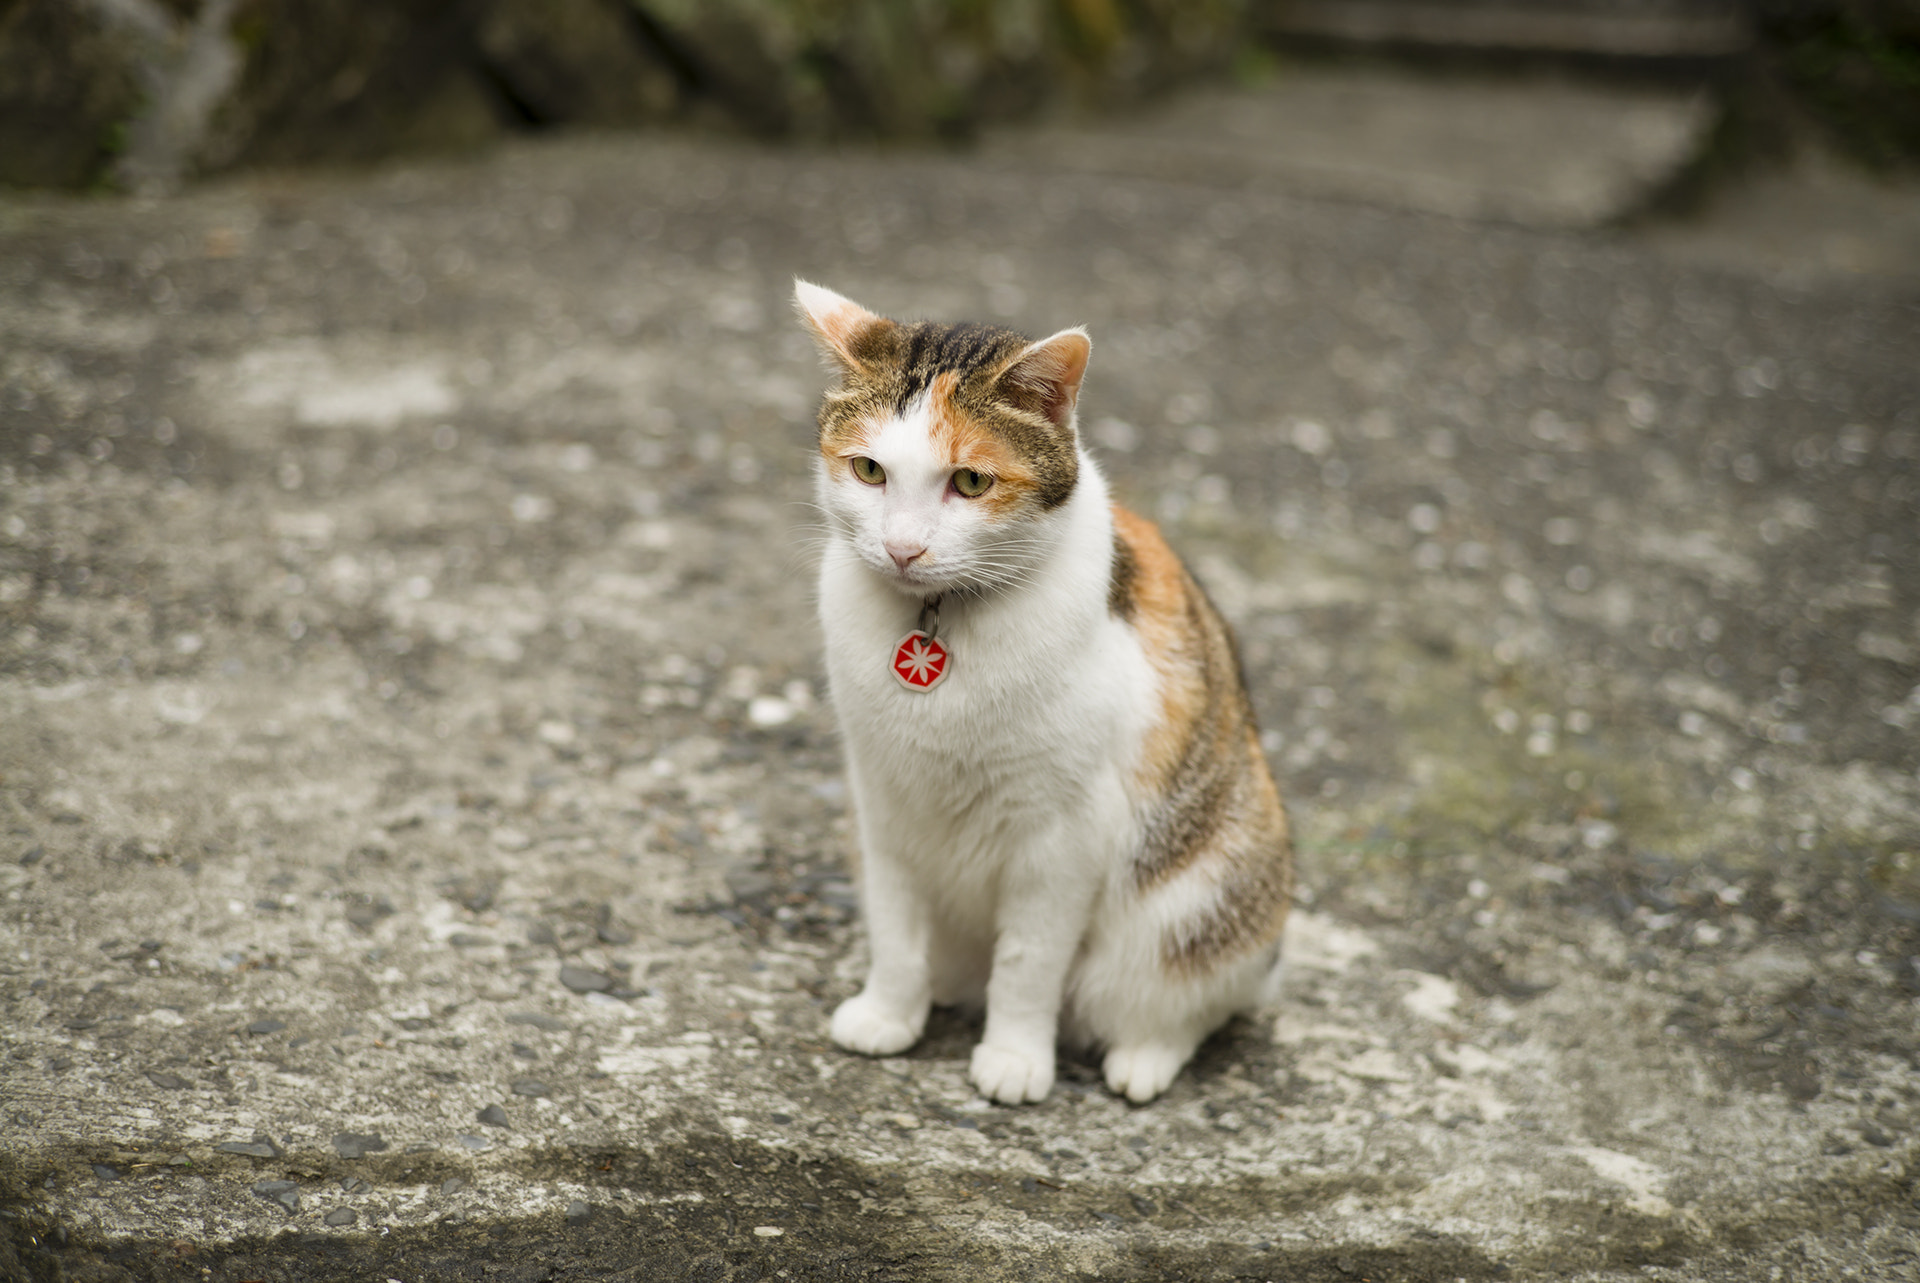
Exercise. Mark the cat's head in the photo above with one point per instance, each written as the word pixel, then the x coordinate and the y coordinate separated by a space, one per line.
pixel 946 449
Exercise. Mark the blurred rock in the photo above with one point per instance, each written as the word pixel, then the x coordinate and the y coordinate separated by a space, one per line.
pixel 285 1193
pixel 739 62
pixel 69 82
pixel 352 83
pixel 188 68
pixel 358 1144
pixel 1650 29
pixel 577 62
pixel 1853 66
pixel 149 93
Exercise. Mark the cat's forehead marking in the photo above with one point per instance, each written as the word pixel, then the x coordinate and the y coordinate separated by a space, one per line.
pixel 929 441
pixel 962 440
pixel 862 424
pixel 946 429
pixel 851 418
pixel 957 369
pixel 906 446
pixel 934 350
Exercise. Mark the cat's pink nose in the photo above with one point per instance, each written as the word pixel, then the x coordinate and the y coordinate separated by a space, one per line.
pixel 904 553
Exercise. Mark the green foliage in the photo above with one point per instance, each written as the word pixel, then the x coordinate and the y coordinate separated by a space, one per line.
pixel 1855 65
pixel 113 139
pixel 907 68
pixel 1254 66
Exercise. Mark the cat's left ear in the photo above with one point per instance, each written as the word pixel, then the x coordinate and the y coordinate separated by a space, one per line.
pixel 1046 377
pixel 854 338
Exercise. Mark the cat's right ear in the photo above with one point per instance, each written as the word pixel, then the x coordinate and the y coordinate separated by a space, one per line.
pixel 854 338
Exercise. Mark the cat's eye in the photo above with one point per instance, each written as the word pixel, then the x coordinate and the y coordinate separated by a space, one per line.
pixel 971 484
pixel 868 471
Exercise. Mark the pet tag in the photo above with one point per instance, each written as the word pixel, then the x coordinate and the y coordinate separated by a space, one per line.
pixel 920 662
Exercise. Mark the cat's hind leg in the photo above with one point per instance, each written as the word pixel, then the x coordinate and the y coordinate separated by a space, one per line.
pixel 1150 1037
pixel 1131 995
pixel 1142 1070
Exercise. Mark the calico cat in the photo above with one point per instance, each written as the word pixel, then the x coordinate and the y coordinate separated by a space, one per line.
pixel 1061 803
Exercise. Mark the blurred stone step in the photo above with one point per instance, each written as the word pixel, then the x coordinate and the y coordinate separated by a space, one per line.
pixel 1685 29
pixel 1547 153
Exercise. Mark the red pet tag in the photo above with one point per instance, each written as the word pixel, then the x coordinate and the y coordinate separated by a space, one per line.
pixel 920 661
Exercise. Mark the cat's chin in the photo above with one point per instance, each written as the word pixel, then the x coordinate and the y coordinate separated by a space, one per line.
pixel 916 587
pixel 909 583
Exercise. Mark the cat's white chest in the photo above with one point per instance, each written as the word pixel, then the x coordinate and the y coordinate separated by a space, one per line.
pixel 1029 739
pixel 1034 697
pixel 985 679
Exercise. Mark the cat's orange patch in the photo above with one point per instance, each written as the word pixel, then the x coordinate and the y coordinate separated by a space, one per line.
pixel 963 441
pixel 1162 617
pixel 1215 813
pixel 849 437
pixel 959 439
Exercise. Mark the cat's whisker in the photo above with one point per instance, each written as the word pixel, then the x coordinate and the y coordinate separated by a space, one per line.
pixel 1008 575
pixel 806 553
pixel 812 505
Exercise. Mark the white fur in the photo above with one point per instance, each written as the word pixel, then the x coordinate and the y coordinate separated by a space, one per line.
pixel 917 509
pixel 997 812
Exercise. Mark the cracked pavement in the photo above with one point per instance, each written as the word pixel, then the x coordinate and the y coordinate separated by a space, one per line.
pixel 425 846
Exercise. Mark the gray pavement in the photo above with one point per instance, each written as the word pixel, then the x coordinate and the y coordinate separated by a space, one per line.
pixel 425 844
pixel 1539 150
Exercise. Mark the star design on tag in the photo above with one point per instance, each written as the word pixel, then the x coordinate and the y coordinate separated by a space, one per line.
pixel 919 661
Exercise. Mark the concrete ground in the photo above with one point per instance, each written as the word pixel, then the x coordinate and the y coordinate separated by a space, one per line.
pixel 1539 150
pixel 425 847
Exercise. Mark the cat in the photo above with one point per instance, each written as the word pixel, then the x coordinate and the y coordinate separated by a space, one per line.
pixel 1060 800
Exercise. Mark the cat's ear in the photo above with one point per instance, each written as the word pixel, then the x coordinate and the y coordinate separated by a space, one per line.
pixel 1046 377
pixel 854 338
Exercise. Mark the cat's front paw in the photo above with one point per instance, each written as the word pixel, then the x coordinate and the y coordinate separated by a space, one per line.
pixel 864 1025
pixel 1142 1071
pixel 1012 1076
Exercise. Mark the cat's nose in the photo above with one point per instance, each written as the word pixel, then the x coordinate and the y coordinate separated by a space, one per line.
pixel 904 553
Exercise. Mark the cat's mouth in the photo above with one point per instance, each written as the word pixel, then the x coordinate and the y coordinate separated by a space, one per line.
pixel 915 580
pixel 913 577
